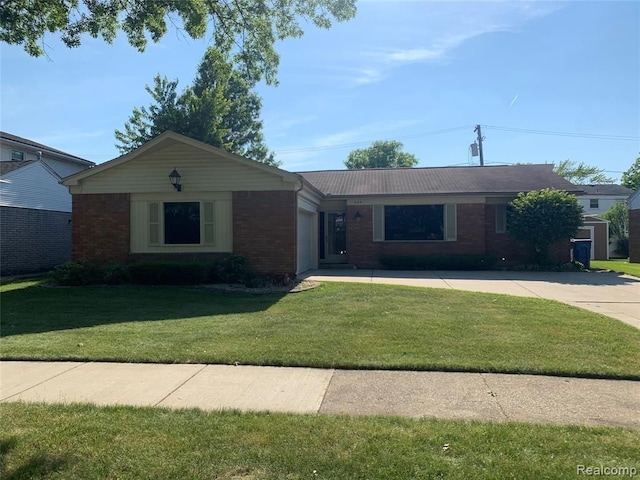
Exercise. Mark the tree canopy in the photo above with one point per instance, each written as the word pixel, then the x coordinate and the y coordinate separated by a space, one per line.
pixel 541 218
pixel 381 154
pixel 581 173
pixel 248 27
pixel 219 108
pixel 631 178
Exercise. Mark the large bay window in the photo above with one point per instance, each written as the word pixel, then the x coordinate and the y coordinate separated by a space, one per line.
pixel 414 223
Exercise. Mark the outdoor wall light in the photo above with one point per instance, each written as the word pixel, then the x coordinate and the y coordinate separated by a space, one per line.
pixel 357 216
pixel 175 177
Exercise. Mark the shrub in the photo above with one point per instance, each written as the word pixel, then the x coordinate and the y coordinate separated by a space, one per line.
pixel 233 269
pixel 438 262
pixel 168 273
pixel 77 274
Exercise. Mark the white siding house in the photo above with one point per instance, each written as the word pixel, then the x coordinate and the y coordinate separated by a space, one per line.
pixel 35 208
pixel 600 198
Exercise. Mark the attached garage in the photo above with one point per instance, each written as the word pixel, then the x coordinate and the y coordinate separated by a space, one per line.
pixel 306 241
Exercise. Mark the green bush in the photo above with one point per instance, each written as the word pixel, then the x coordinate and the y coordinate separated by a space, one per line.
pixel 168 273
pixel 77 274
pixel 438 262
pixel 234 269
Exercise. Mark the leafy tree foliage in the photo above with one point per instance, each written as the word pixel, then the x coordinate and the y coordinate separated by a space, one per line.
pixel 581 174
pixel 631 178
pixel 219 109
pixel 381 154
pixel 618 217
pixel 541 218
pixel 248 27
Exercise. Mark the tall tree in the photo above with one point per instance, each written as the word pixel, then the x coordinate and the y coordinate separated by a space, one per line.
pixel 581 173
pixel 219 108
pixel 248 27
pixel 631 178
pixel 541 218
pixel 381 154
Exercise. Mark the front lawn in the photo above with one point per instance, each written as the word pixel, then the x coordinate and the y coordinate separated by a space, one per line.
pixel 335 325
pixel 83 441
pixel 621 266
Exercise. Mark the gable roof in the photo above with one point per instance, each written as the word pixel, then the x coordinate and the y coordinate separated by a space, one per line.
pixel 606 189
pixel 6 167
pixel 170 138
pixel 504 180
pixel 4 136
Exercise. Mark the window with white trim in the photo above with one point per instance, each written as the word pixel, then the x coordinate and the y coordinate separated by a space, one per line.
pixel 594 203
pixel 410 223
pixel 181 223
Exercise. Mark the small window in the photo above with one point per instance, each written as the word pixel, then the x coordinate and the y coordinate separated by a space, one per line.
pixel 501 218
pixel 593 203
pixel 17 156
pixel 181 223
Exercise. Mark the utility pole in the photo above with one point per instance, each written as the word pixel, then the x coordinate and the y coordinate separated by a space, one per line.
pixel 480 144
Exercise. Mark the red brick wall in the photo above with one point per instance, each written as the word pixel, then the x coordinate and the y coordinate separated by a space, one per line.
pixel 510 250
pixel 362 251
pixel 264 230
pixel 101 227
pixel 634 236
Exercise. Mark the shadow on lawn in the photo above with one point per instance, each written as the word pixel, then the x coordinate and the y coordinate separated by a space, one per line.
pixel 38 466
pixel 38 309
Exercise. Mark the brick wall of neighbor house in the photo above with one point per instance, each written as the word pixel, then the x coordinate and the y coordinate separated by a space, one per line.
pixel 362 251
pixel 634 236
pixel 264 230
pixel 101 226
pixel 33 240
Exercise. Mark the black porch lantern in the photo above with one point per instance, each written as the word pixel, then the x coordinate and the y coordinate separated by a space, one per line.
pixel 175 177
pixel 357 216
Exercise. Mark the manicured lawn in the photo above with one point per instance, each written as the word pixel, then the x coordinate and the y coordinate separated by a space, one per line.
pixel 622 266
pixel 81 442
pixel 335 325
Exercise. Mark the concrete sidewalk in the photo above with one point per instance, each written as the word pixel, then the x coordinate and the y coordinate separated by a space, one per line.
pixel 469 396
pixel 611 294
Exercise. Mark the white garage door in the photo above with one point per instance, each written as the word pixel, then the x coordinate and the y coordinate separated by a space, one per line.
pixel 306 241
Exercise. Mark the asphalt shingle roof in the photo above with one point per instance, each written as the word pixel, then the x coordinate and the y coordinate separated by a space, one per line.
pixel 606 189
pixel 10 166
pixel 30 143
pixel 510 179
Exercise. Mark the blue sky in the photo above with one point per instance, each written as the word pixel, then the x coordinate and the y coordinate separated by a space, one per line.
pixel 399 70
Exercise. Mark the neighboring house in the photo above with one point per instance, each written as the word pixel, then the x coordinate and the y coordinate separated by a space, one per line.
pixel 127 209
pixel 35 208
pixel 597 199
pixel 634 227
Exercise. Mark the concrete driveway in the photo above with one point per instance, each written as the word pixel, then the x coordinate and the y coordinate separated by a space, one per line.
pixel 611 294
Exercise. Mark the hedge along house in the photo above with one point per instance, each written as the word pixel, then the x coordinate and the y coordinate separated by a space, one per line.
pixel 128 209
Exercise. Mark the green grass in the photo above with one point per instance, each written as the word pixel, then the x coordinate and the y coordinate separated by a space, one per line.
pixel 83 442
pixel 621 266
pixel 335 325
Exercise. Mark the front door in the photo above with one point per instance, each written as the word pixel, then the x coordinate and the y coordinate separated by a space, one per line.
pixel 335 241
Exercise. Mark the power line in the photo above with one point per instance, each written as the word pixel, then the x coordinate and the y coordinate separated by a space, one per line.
pixel 566 134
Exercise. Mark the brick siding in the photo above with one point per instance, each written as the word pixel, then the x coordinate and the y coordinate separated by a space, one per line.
pixel 264 230
pixel 634 236
pixel 101 227
pixel 33 240
pixel 363 252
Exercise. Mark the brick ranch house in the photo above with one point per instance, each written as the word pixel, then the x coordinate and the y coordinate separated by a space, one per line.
pixel 127 209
